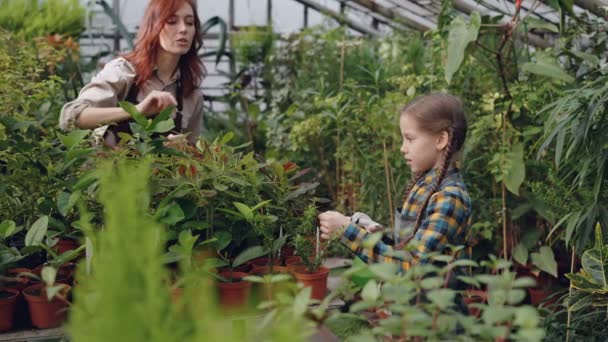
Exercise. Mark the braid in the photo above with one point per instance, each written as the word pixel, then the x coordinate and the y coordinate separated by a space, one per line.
pixel 410 185
pixel 446 159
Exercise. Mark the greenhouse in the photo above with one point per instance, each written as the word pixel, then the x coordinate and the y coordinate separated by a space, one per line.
pixel 303 170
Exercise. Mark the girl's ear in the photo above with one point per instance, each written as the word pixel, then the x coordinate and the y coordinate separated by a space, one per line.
pixel 443 140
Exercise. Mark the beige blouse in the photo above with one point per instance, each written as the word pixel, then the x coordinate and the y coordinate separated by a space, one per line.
pixel 112 84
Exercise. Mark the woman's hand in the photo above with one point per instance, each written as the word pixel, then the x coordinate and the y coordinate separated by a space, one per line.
pixel 155 102
pixel 330 222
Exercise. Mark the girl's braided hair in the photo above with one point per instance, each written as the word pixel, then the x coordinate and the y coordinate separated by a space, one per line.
pixel 436 113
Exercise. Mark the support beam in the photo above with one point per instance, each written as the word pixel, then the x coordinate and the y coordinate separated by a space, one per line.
pixel 269 13
pixel 405 18
pixel 593 6
pixel 339 18
pixel 116 8
pixel 468 6
pixel 305 16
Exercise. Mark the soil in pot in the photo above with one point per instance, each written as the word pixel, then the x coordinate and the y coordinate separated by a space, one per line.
pixel 8 304
pixel 45 314
pixel 317 280
pixel 236 293
pixel 64 245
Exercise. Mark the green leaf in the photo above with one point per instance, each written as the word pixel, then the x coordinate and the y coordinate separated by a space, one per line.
pixel 172 214
pixel 78 153
pixel 371 291
pixel 300 303
pixel 371 240
pixel 545 69
pixel 73 138
pixel 526 317
pixel 595 260
pixel 37 231
pixel 459 38
pixel 516 172
pixel 48 275
pixel 524 282
pixel 66 201
pixel 223 239
pixel 520 253
pixel 135 114
pixel 443 298
pixel 278 243
pixel 7 228
pixel 248 254
pixel 534 23
pixel 163 126
pixel 432 283
pixel 384 271
pixel 545 260
pixel 244 210
pixel 164 115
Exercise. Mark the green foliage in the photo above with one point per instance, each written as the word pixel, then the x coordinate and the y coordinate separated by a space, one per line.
pixel 252 44
pixel 460 36
pixel 33 18
pixel 125 296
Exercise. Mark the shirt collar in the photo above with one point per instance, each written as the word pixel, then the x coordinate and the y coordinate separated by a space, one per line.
pixel 430 175
pixel 173 79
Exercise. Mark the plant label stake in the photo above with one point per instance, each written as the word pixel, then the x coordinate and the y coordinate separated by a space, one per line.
pixel 318 230
pixel 280 236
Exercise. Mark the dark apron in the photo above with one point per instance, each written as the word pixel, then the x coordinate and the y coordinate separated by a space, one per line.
pixel 111 137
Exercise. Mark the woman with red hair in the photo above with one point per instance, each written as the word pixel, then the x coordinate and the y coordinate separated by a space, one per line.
pixel 163 70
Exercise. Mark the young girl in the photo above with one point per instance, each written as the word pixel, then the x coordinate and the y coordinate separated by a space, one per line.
pixel 164 69
pixel 437 208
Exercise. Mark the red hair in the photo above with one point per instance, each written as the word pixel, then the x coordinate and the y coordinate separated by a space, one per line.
pixel 143 57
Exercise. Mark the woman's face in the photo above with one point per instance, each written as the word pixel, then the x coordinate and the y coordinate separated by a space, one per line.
pixel 178 33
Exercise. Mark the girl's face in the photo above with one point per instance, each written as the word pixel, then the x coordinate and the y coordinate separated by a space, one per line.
pixel 178 33
pixel 421 150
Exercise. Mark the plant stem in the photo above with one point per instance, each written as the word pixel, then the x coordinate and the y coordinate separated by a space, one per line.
pixel 570 297
pixel 388 184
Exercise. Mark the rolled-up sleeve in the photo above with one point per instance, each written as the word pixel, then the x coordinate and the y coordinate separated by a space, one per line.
pixel 445 223
pixel 108 87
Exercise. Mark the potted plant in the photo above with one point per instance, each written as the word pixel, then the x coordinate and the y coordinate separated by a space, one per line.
pixel 8 304
pixel 312 252
pixel 48 301
pixel 234 289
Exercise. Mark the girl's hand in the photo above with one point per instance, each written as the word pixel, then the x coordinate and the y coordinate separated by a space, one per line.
pixel 330 222
pixel 155 102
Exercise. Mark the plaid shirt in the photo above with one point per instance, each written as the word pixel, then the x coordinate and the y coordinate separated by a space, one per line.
pixel 446 221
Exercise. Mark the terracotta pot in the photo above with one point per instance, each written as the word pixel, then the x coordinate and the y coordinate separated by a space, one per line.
pixel 235 294
pixel 287 251
pixel 8 304
pixel 474 297
pixel 316 280
pixel 45 314
pixel 21 316
pixel 64 245
pixel 293 262
pixel 538 297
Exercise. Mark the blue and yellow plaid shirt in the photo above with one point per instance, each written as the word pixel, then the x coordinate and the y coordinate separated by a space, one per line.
pixel 446 221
